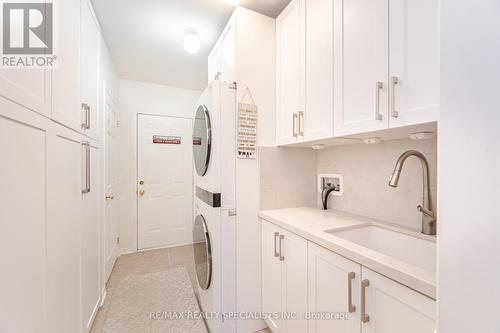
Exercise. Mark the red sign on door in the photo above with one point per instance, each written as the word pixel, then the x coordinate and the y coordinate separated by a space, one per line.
pixel 167 140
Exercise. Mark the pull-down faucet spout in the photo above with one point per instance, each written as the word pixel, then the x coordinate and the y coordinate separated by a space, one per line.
pixel 428 215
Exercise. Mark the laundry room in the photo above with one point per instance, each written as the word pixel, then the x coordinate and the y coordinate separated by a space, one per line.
pixel 249 166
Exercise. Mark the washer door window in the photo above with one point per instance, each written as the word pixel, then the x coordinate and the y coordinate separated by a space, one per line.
pixel 202 140
pixel 202 252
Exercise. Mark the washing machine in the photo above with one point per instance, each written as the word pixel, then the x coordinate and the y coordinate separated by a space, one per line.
pixel 214 227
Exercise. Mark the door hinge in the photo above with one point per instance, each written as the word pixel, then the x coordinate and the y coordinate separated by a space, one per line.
pixel 233 85
pixel 117 124
pixel 117 240
pixel 232 212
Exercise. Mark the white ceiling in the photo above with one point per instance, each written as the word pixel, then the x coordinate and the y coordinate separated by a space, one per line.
pixel 145 37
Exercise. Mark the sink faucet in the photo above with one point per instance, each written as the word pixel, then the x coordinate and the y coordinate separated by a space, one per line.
pixel 428 215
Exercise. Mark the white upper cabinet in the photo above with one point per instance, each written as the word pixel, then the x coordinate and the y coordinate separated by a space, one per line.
pixel 290 101
pixel 333 287
pixel 66 108
pixel 89 70
pixel 386 64
pixel 394 308
pixel 318 122
pixel 414 61
pixel 361 66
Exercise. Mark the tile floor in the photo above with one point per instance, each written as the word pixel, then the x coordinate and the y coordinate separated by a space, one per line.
pixel 143 263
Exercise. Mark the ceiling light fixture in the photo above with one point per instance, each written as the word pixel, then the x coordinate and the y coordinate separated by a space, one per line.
pixel 192 42
pixel 232 2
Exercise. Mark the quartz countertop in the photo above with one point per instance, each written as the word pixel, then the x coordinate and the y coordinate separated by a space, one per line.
pixel 311 223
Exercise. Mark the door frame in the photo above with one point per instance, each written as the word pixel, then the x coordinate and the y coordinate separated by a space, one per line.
pixel 138 114
pixel 106 96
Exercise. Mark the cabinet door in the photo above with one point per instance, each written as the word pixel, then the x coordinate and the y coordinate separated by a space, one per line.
pixel 90 217
pixel 89 50
pixel 271 274
pixel 318 122
pixel 63 231
pixel 27 87
pixel 394 308
pixel 228 45
pixel 66 76
pixel 361 49
pixel 414 61
pixel 290 40
pixel 23 218
pixel 330 277
pixel 294 258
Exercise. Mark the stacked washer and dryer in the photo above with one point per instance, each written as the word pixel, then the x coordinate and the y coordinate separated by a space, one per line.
pixel 214 228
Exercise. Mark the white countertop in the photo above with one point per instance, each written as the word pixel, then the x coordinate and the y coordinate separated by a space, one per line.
pixel 311 223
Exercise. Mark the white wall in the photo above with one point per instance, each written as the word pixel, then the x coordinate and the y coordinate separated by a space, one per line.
pixel 469 166
pixel 134 98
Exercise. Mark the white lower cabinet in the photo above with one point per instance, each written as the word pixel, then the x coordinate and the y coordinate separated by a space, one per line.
pixel 394 308
pixel 284 279
pixel 337 294
pixel 333 291
pixel 90 236
pixel 64 180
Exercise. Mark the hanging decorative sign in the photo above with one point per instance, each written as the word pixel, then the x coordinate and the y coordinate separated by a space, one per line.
pixel 166 140
pixel 247 131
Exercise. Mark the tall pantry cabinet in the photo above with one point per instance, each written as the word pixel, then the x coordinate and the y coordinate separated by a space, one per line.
pixel 52 196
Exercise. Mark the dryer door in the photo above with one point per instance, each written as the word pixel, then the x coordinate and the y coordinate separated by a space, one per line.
pixel 202 140
pixel 202 252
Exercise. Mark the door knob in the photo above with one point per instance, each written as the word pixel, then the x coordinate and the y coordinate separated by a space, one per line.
pixel 141 182
pixel 110 197
pixel 142 192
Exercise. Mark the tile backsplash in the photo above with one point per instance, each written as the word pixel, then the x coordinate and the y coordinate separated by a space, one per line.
pixel 366 170
pixel 289 179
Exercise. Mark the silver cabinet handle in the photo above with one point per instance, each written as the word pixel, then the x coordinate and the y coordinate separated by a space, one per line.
pixel 351 276
pixel 282 258
pixel 295 130
pixel 301 123
pixel 379 85
pixel 86 116
pixel 394 82
pixel 86 146
pixel 276 235
pixel 364 317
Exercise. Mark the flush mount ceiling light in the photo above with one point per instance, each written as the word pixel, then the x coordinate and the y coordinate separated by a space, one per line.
pixel 232 2
pixel 192 42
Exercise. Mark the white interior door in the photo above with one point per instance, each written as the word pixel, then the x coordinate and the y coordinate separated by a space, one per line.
pixel 112 221
pixel 165 181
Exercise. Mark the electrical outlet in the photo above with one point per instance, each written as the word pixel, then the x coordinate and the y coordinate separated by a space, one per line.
pixel 327 180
